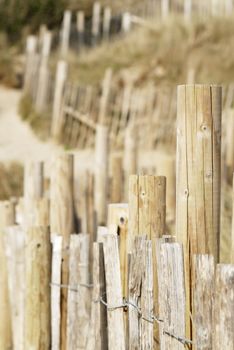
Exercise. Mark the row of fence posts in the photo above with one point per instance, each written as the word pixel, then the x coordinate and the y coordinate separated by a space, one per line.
pixel 147 290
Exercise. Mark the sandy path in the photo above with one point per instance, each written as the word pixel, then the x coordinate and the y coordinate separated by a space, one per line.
pixel 17 140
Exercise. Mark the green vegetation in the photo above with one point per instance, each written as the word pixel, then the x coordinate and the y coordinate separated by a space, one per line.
pixel 40 123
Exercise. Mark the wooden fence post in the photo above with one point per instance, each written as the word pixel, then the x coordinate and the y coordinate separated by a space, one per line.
pixel 101 173
pixel 229 149
pixel 126 22
pixel 62 221
pixel 116 179
pixel 203 297
pixel 106 87
pixel 31 48
pixel 33 191
pixel 187 10
pixel 55 291
pixel 43 77
pixel 65 33
pixel 96 22
pixel 116 337
pixel 37 288
pixel 78 292
pixel 134 291
pixel 97 339
pixel 147 300
pixel 165 8
pixel 15 249
pixel 106 23
pixel 171 295
pixel 223 332
pixel 7 218
pixel 61 77
pixel 198 173
pixel 232 247
pixel 80 25
pixel 130 161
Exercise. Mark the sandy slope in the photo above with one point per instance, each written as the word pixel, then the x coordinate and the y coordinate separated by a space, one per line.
pixel 17 140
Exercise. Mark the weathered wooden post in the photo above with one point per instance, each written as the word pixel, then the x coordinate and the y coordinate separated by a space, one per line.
pixel 232 247
pixel 106 23
pixel 33 191
pixel 116 179
pixel 203 296
pixel 229 149
pixel 43 78
pixel 7 218
pixel 96 22
pixel 198 173
pixel 126 22
pixel 106 86
pixel 223 333
pixel 97 339
pixel 31 53
pixel 80 25
pixel 78 292
pixel 15 253
pixel 62 222
pixel 187 10
pixel 130 160
pixel 101 173
pixel 65 32
pixel 37 289
pixel 165 8
pixel 61 77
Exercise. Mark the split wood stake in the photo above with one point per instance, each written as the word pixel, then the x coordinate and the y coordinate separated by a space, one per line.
pixel 7 218
pixel 37 287
pixel 171 295
pixel 203 297
pixel 106 23
pixel 116 179
pixel 65 33
pixel 106 87
pixel 60 80
pixel 223 333
pixel 15 253
pixel 80 24
pixel 116 336
pixel 31 57
pixel 78 292
pixel 97 339
pixel 96 22
pixel 101 173
pixel 55 290
pixel 232 248
pixel 62 221
pixel 198 174
pixel 130 155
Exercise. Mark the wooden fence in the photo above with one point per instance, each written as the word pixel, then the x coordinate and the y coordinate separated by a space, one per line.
pixel 121 282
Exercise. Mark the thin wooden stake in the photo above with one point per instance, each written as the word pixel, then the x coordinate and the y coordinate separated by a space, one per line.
pixel 116 337
pixel 37 298
pixel 65 33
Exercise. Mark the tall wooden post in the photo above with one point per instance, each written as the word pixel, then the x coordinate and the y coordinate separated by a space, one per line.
pixel 165 7
pixel 7 218
pixel 37 289
pixel 106 86
pixel 101 173
pixel 31 52
pixel 61 77
pixel 43 78
pixel 198 173
pixel 130 155
pixel 65 33
pixel 229 149
pixel 96 22
pixel 126 22
pixel 232 247
pixel 116 179
pixel 33 190
pixel 106 23
pixel 80 25
pixel 62 221
pixel 187 10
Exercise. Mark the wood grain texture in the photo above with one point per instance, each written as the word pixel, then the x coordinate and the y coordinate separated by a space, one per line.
pixel 55 290
pixel 7 218
pixel 116 336
pixel 116 179
pixel 78 312
pixel 198 174
pixel 14 239
pixel 134 291
pixel 223 331
pixel 62 221
pixel 37 287
pixel 203 297
pixel 97 339
pixel 171 295
pixel 147 300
